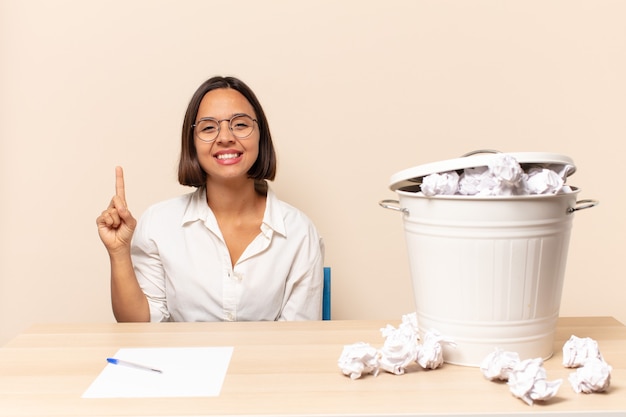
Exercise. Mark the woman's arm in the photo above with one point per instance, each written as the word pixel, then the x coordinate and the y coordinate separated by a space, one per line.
pixel 127 299
pixel 115 227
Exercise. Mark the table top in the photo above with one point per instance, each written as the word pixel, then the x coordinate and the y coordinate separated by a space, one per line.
pixel 284 368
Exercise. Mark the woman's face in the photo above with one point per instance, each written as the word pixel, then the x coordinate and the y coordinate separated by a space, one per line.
pixel 227 158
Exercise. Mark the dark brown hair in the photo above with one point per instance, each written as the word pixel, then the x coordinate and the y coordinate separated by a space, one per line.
pixel 189 170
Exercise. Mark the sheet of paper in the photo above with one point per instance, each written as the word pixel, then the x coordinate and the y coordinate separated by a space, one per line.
pixel 187 372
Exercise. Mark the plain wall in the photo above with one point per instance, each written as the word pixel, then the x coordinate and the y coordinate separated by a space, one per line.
pixel 355 91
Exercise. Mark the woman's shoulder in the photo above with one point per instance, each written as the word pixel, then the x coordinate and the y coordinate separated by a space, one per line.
pixel 289 213
pixel 164 217
pixel 296 225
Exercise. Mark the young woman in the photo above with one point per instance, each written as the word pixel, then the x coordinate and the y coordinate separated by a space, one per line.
pixel 229 251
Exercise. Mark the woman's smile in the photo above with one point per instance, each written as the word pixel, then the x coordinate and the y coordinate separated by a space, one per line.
pixel 228 157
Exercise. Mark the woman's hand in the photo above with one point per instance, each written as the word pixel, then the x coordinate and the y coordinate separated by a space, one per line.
pixel 116 224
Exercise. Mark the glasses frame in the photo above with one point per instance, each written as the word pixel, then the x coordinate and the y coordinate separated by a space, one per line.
pixel 219 126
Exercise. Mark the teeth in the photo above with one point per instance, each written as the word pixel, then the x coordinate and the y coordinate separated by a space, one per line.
pixel 227 156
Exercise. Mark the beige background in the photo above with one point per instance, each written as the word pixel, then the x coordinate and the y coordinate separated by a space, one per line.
pixel 355 91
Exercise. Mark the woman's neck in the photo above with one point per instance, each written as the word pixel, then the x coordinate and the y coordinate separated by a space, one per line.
pixel 233 198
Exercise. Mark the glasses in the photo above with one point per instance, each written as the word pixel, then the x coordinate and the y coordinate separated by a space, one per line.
pixel 208 128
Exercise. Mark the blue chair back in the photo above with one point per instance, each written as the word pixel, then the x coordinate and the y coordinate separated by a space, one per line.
pixel 326 295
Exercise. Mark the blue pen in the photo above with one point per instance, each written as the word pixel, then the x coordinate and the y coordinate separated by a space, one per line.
pixel 115 361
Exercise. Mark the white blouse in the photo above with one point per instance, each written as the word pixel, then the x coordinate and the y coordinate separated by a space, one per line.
pixel 183 265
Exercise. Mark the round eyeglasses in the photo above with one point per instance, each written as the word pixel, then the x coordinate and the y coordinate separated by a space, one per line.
pixel 208 129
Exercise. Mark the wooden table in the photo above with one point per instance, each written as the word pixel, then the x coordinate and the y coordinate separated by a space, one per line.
pixel 284 368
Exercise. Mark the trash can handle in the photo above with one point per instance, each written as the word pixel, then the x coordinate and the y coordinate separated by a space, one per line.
pixel 480 151
pixel 582 204
pixel 393 205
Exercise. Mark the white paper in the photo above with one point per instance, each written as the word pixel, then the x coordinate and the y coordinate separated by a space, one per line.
pixel 400 348
pixel 187 372
pixel 446 183
pixel 499 364
pixel 430 354
pixel 594 376
pixel 358 359
pixel 508 173
pixel 577 350
pixel 476 181
pixel 543 181
pixel 527 381
pixel 503 176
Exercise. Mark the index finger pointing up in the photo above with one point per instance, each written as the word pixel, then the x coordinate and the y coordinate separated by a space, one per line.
pixel 119 184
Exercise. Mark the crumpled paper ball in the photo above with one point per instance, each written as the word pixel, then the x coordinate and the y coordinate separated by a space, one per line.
pixel 499 364
pixel 577 350
pixel 446 183
pixel 593 376
pixel 401 345
pixel 430 353
pixel 477 181
pixel 508 175
pixel 527 381
pixel 543 181
pixel 358 359
pixel 399 350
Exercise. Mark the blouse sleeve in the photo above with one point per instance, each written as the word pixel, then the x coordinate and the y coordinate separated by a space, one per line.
pixel 149 269
pixel 305 284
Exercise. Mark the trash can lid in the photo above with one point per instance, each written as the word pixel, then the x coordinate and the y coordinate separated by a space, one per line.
pixel 414 175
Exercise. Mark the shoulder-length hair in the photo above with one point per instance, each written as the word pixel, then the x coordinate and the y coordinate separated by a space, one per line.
pixel 189 170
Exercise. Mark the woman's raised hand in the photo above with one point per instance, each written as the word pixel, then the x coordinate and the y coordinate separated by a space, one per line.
pixel 116 224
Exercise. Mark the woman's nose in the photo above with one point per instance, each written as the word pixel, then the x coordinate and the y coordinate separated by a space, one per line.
pixel 224 134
